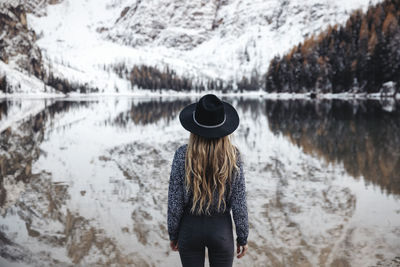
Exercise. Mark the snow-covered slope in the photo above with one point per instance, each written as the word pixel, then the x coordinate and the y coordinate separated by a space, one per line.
pixel 23 84
pixel 230 36
pixel 37 7
pixel 204 39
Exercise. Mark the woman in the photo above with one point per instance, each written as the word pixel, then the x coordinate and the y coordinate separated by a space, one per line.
pixel 207 182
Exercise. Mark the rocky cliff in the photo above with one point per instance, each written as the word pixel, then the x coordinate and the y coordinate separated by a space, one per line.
pixel 18 46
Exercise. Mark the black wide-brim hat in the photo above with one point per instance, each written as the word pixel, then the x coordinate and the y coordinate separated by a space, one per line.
pixel 210 117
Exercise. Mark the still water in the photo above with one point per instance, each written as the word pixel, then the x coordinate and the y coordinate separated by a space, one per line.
pixel 84 181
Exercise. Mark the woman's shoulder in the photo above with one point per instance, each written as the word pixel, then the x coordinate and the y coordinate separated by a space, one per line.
pixel 180 153
pixel 239 159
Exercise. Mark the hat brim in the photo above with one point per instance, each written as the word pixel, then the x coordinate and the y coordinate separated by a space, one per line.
pixel 230 125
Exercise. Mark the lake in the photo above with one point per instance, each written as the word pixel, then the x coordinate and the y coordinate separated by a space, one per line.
pixel 84 180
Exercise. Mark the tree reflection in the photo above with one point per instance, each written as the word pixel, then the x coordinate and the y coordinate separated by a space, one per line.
pixel 361 135
pixel 148 112
pixel 3 109
pixel 153 110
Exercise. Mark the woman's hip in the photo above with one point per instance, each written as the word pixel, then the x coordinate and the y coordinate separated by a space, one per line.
pixel 215 230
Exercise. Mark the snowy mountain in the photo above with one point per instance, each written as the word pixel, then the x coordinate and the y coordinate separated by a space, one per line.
pixel 225 39
pixel 21 61
pixel 212 33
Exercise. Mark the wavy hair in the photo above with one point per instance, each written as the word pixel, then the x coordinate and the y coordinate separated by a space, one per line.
pixel 209 166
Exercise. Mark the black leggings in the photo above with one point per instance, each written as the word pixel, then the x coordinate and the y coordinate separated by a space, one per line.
pixel 213 232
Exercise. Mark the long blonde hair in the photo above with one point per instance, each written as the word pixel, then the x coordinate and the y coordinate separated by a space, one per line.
pixel 209 165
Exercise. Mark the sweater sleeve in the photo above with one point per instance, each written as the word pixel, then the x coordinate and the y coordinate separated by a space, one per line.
pixel 176 194
pixel 239 206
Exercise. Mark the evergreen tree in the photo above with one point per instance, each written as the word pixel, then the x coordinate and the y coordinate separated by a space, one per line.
pixel 4 87
pixel 359 56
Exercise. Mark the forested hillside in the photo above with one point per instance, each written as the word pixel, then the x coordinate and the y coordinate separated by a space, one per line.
pixel 360 56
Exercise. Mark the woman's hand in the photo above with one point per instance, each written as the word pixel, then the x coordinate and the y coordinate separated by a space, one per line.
pixel 241 250
pixel 174 245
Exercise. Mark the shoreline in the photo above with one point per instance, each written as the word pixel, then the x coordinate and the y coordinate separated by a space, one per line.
pixel 171 93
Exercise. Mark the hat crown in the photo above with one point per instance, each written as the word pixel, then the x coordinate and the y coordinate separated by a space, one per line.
pixel 209 111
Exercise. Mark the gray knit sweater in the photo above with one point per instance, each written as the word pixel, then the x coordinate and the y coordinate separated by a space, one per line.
pixel 179 200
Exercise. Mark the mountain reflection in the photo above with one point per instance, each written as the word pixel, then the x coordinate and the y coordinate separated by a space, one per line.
pixel 90 197
pixel 41 200
pixel 20 147
pixel 361 135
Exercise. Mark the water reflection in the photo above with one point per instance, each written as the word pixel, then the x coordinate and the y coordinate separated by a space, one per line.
pixel 3 109
pixel 362 135
pixel 20 145
pixel 78 187
pixel 35 198
pixel 148 112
